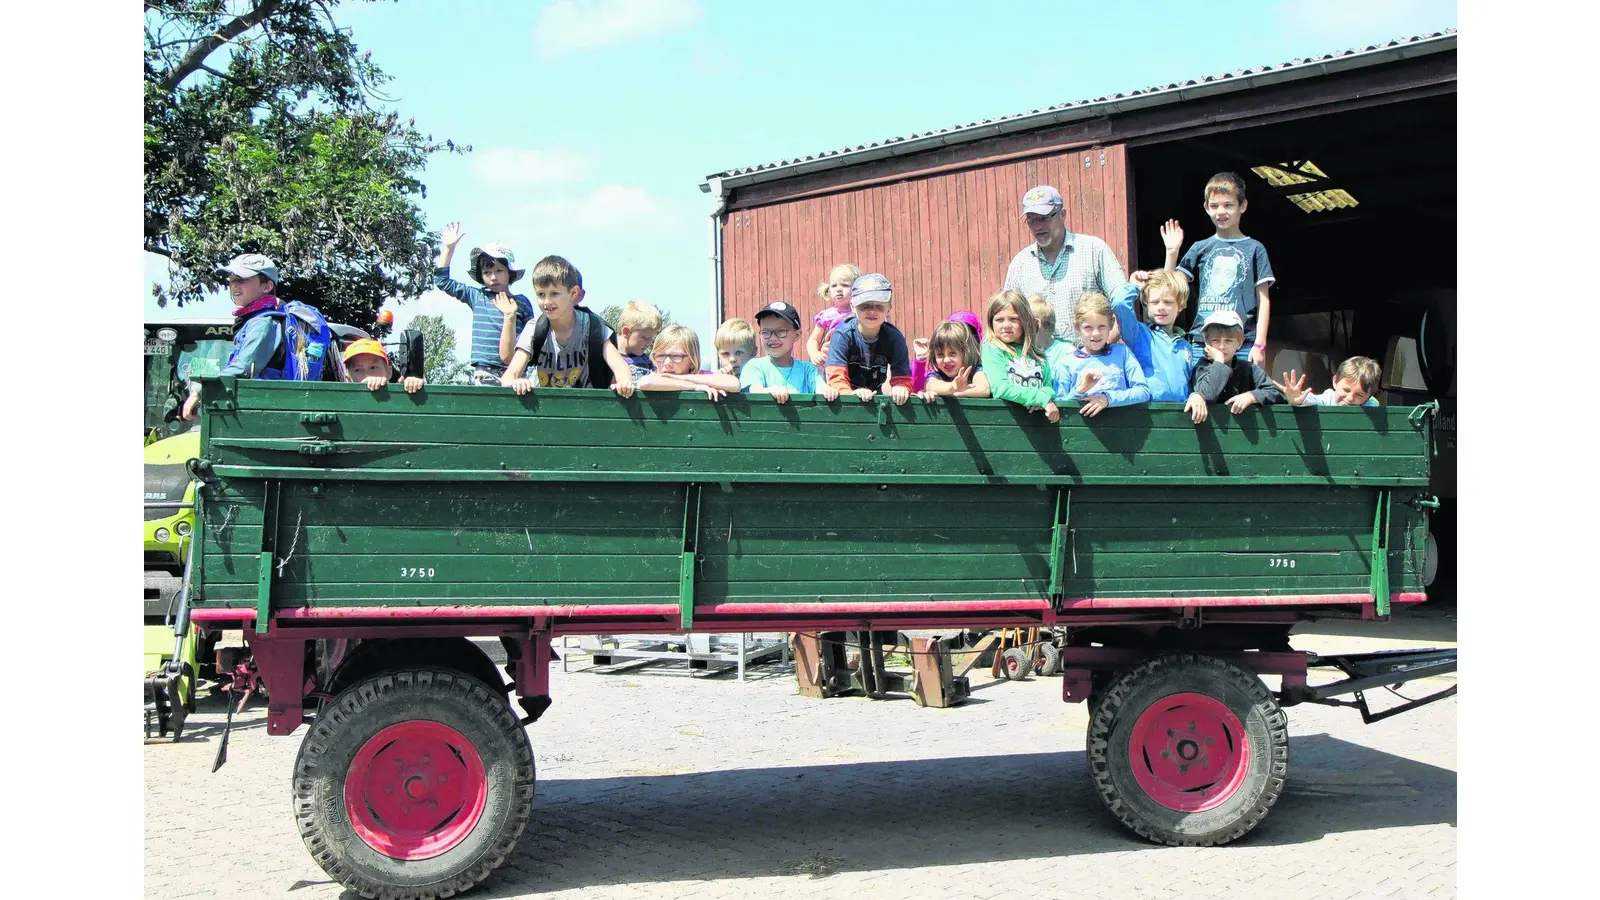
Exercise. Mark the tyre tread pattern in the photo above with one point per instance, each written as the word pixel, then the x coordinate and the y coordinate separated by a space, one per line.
pixel 341 723
pixel 1106 707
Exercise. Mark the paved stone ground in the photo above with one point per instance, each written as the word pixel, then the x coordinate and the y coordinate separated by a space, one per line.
pixel 654 783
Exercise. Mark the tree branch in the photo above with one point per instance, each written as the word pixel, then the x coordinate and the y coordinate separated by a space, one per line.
pixel 196 57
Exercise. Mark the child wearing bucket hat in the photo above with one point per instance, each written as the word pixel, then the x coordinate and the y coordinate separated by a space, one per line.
pixel 366 362
pixel 493 267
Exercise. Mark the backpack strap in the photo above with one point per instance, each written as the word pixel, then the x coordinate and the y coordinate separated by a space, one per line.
pixel 599 372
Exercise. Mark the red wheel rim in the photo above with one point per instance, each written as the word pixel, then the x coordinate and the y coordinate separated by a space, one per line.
pixel 1189 752
pixel 1012 665
pixel 415 790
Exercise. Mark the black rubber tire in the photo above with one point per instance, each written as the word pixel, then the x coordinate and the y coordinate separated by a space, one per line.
pixel 373 656
pixel 1111 725
pixel 364 709
pixel 1048 660
pixel 1017 663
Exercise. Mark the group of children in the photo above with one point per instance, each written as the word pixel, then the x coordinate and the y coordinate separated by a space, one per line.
pixel 1011 352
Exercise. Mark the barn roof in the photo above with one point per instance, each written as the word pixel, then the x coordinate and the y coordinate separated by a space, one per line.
pixel 1209 85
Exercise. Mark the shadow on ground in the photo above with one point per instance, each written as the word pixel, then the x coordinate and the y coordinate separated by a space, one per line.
pixel 887 815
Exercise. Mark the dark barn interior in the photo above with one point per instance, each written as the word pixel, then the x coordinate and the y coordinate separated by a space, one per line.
pixel 1351 278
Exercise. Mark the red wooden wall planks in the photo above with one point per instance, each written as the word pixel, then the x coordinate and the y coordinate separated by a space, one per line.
pixel 944 240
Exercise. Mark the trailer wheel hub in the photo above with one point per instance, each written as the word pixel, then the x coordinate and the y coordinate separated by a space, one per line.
pixel 1188 752
pixel 415 790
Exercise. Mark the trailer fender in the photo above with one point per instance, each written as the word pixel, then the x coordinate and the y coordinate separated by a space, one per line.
pixel 373 655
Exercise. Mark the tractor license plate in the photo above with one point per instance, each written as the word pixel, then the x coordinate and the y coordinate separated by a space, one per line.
pixel 157 348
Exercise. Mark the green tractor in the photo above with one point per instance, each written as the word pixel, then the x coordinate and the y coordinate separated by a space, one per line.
pixel 174 351
pixel 176 657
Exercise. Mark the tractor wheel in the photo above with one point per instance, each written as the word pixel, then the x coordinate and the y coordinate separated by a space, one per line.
pixel 1188 750
pixel 1047 661
pixel 414 784
pixel 1016 663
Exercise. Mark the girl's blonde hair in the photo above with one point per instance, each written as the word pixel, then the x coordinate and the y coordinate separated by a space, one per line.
pixel 957 336
pixel 680 337
pixel 822 289
pixel 844 267
pixel 1018 304
pixel 1091 303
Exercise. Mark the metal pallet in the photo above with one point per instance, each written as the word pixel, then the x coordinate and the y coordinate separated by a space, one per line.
pixel 711 652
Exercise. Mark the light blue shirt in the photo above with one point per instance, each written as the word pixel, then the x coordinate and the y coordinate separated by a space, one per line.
pixel 801 378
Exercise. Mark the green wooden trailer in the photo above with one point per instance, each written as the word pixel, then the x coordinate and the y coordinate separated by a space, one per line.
pixel 362 539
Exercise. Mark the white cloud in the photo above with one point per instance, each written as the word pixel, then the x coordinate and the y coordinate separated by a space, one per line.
pixel 527 166
pixel 1367 21
pixel 614 209
pixel 569 25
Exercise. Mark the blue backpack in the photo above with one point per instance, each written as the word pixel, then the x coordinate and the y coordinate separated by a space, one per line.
pixel 308 351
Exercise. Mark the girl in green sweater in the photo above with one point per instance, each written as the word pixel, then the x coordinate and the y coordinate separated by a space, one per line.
pixel 1016 370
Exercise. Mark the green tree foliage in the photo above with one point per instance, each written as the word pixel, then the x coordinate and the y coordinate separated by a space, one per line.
pixel 439 351
pixel 613 313
pixel 261 135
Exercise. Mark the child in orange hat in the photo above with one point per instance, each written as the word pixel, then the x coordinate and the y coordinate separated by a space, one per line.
pixel 366 362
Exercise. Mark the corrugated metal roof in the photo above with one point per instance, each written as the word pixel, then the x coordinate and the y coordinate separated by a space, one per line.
pixel 1378 52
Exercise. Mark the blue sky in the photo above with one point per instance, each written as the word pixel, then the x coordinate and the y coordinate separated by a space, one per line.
pixel 594 122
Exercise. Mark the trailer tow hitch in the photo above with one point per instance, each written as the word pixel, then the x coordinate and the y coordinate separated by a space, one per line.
pixel 1385 669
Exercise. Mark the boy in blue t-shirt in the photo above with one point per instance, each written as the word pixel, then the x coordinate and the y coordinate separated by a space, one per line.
pixel 492 267
pixel 778 373
pixel 1229 271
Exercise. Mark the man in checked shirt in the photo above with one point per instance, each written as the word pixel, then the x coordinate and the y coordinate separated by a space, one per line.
pixel 1060 265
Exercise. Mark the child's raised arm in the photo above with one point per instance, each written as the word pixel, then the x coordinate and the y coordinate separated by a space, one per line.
pixel 451 236
pixel 1172 238
pixel 508 328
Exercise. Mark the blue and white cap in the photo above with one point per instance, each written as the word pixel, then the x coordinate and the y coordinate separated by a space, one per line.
pixel 870 288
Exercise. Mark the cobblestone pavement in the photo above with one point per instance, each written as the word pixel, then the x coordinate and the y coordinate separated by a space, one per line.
pixel 655 783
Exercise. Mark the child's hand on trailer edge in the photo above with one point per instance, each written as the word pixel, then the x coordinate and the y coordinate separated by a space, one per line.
pixel 828 392
pixel 1196 407
pixel 1052 411
pixel 520 385
pixel 780 394
pixel 899 394
pixel 1241 402
pixel 864 394
pixel 1092 406
pixel 374 382
pixel 411 383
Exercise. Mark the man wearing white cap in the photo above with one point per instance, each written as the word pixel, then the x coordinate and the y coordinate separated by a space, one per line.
pixel 1060 265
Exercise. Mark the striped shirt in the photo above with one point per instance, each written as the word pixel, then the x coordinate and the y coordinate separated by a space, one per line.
pixel 486 319
pixel 1086 263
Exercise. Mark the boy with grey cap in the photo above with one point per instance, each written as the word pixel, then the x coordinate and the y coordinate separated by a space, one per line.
pixel 1060 265
pixel 1225 375
pixel 494 267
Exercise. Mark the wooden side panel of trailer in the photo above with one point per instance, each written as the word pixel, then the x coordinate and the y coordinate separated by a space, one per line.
pixel 467 496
